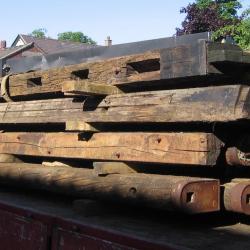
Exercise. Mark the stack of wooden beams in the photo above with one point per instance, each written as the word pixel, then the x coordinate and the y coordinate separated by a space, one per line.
pixel 165 129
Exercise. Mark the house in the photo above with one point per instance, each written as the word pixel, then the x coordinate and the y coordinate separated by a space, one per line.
pixel 48 45
pixel 26 45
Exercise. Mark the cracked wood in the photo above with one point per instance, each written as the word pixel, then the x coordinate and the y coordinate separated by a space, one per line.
pixel 224 103
pixel 151 67
pixel 173 148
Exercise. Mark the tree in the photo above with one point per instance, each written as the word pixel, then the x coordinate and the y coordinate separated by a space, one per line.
pixel 242 36
pixel 227 8
pixel 75 37
pixel 201 19
pixel 39 33
pixel 219 16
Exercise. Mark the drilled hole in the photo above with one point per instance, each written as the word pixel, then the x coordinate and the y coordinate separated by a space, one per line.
pixel 34 82
pixel 248 199
pixel 190 197
pixel 80 74
pixel 132 190
pixel 146 65
pixel 159 140
pixel 105 108
pixel 85 136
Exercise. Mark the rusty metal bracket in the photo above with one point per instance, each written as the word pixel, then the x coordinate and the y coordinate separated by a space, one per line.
pixel 190 196
pixel 236 197
pixel 4 89
pixel 235 157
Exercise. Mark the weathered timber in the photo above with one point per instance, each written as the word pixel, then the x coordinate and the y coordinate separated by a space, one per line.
pixel 84 88
pixel 205 59
pixel 192 195
pixel 55 164
pixel 176 148
pixel 237 196
pixel 225 53
pixel 80 126
pixel 8 158
pixel 224 103
pixel 105 168
pixel 150 68
pixel 101 72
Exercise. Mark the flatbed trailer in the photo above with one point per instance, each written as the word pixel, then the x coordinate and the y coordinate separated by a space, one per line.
pixel 31 221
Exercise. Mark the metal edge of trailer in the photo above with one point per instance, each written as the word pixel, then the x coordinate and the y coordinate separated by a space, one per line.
pixel 63 231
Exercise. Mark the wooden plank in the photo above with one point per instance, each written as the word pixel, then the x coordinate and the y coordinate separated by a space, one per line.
pixel 224 103
pixel 84 88
pixel 163 192
pixel 8 158
pixel 80 126
pixel 175 148
pixel 149 68
pixel 105 168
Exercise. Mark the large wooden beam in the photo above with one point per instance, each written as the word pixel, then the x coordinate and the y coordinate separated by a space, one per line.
pixel 175 148
pixel 224 103
pixel 205 59
pixel 111 71
pixel 150 68
pixel 191 195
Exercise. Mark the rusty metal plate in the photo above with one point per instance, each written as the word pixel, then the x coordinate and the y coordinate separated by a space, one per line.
pixel 197 196
pixel 239 198
pixel 235 157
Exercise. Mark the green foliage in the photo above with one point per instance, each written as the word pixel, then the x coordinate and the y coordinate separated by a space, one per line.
pixel 227 8
pixel 75 37
pixel 240 30
pixel 242 36
pixel 201 15
pixel 39 33
pixel 204 3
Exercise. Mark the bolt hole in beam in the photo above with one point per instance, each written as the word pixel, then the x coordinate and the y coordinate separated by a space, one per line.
pixel 145 66
pixel 132 191
pixel 190 197
pixel 34 82
pixel 80 74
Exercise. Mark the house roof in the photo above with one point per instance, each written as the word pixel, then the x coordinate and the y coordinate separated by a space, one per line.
pixel 5 53
pixel 49 45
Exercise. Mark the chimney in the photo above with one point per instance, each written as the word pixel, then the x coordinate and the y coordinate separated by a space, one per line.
pixel 108 42
pixel 2 44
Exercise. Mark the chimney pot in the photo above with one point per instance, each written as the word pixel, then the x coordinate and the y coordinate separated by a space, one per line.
pixel 108 41
pixel 2 44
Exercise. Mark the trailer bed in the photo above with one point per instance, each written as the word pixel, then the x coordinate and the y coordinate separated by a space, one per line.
pixel 41 221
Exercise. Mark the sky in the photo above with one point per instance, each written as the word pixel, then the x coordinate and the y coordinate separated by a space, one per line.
pixel 122 20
